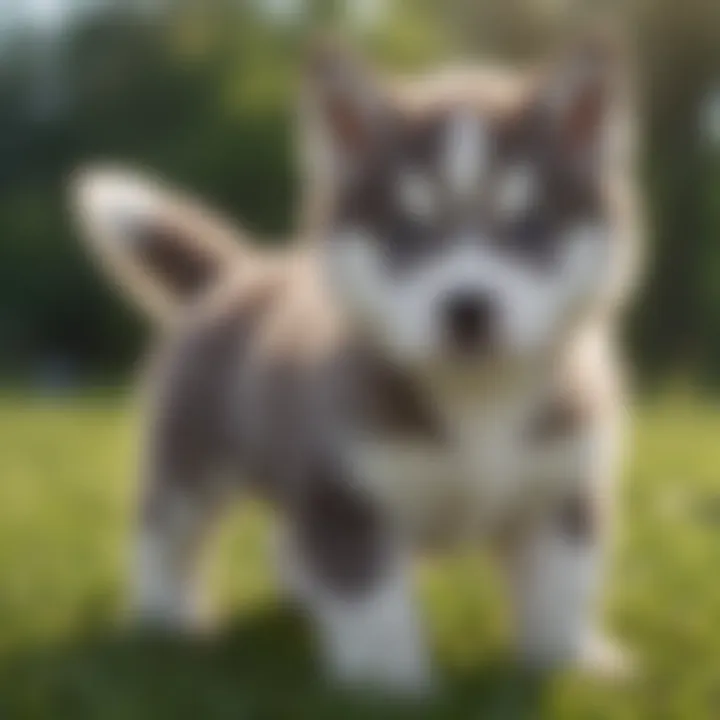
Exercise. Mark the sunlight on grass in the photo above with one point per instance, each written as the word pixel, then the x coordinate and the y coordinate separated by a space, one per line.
pixel 66 501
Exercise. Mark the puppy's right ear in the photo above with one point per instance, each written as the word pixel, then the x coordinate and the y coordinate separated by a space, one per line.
pixel 345 112
pixel 163 248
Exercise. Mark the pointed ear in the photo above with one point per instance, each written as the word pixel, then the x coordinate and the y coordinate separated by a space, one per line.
pixel 345 111
pixel 580 94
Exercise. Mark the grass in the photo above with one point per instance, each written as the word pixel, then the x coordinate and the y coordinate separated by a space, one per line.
pixel 66 490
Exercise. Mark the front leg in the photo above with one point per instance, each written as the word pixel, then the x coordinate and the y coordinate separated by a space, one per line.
pixel 555 570
pixel 354 579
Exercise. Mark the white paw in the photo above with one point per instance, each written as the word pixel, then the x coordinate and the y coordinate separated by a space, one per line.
pixel 375 641
pixel 385 656
pixel 604 658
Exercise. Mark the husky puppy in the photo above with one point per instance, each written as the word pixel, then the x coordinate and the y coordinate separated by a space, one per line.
pixel 434 366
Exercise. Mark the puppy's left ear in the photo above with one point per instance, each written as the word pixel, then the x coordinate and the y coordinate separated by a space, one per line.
pixel 582 96
pixel 344 111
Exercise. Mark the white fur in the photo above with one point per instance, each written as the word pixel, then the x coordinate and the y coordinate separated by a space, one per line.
pixel 112 199
pixel 417 195
pixel 488 471
pixel 405 308
pixel 516 191
pixel 167 564
pixel 465 153
pixel 554 581
pixel 356 273
pixel 462 488
pixel 373 638
pixel 417 482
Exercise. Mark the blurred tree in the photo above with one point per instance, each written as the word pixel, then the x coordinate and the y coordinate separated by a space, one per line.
pixel 677 319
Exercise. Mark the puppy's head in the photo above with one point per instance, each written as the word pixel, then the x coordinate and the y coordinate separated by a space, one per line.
pixel 475 228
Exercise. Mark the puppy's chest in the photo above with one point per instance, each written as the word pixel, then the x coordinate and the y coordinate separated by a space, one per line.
pixel 488 467
pixel 465 482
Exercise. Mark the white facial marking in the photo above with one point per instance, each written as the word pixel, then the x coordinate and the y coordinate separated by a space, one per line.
pixel 465 152
pixel 416 195
pixel 403 305
pixel 517 191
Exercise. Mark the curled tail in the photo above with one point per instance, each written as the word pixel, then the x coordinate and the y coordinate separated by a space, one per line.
pixel 163 248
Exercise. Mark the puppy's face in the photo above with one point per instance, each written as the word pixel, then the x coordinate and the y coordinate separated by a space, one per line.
pixel 468 233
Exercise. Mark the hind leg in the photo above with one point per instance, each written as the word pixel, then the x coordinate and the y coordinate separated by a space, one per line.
pixel 180 503
pixel 168 585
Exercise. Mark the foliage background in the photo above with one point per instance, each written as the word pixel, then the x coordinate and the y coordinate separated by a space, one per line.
pixel 204 94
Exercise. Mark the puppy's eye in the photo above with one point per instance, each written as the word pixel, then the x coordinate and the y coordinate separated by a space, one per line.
pixel 417 196
pixel 531 237
pixel 528 230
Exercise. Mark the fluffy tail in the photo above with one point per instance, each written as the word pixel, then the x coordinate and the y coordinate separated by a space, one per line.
pixel 163 248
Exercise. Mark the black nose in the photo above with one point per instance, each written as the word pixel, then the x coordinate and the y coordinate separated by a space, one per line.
pixel 470 321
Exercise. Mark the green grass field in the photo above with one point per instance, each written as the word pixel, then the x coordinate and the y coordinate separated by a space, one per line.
pixel 66 490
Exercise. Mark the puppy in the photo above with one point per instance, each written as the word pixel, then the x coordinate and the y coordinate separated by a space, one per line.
pixel 434 364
